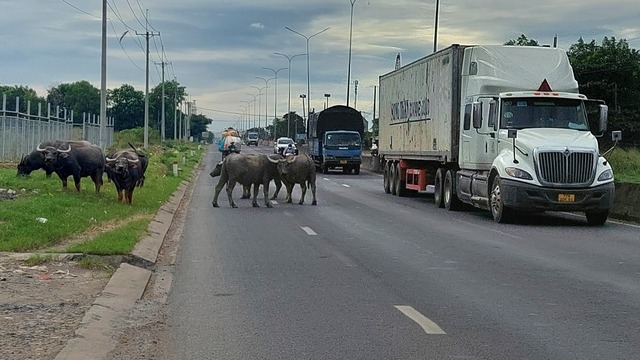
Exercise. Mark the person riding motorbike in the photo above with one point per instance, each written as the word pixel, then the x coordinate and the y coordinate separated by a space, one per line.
pixel 289 150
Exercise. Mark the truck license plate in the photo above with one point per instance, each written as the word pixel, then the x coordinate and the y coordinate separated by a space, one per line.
pixel 343 161
pixel 567 198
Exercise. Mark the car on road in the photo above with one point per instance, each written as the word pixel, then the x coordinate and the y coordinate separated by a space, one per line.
pixel 282 144
pixel 252 138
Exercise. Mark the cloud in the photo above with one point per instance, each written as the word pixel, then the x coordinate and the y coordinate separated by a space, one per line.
pixel 257 26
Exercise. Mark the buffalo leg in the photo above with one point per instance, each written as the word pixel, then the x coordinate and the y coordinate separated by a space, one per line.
pixel 303 189
pixel 246 192
pixel 230 186
pixel 313 191
pixel 221 182
pixel 256 188
pixel 289 191
pixel 265 189
pixel 128 196
pixel 76 180
pixel 120 196
pixel 278 186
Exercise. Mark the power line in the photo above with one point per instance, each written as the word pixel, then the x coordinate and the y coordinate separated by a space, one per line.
pixel 82 11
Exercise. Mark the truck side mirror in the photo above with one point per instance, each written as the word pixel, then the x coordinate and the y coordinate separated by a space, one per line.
pixel 602 120
pixel 477 115
pixel 493 115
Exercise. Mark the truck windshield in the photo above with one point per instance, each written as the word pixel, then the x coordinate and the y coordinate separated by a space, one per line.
pixel 525 113
pixel 343 140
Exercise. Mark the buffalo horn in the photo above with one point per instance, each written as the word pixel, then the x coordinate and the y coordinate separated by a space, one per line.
pixel 65 151
pixel 110 159
pixel 272 160
pixel 39 148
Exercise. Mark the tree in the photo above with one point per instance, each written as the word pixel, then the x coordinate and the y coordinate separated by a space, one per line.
pixel 172 90
pixel 611 72
pixel 25 94
pixel 198 124
pixel 80 96
pixel 523 40
pixel 126 106
pixel 281 126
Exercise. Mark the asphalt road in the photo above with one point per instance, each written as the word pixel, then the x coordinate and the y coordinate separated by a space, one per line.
pixel 367 275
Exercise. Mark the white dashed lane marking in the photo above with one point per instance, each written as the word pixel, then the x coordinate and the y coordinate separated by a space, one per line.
pixel 427 325
pixel 308 230
pixel 345 185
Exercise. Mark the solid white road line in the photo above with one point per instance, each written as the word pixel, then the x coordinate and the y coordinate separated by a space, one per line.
pixel 427 325
pixel 308 230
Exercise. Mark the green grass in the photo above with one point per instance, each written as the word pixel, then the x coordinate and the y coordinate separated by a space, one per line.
pixel 71 214
pixel 626 165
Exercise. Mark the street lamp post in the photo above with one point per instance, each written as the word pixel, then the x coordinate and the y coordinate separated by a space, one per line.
pixel 289 58
pixel 308 66
pixel 350 37
pixel 266 99
pixel 254 110
pixel 259 103
pixel 302 96
pixel 327 104
pixel 435 33
pixel 275 97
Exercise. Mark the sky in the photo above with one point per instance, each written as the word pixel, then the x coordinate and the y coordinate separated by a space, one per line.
pixel 219 49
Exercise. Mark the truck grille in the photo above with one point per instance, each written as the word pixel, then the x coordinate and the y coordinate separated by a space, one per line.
pixel 566 167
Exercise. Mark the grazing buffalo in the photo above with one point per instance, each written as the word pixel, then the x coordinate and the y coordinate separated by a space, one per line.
pixel 35 160
pixel 77 160
pixel 298 169
pixel 249 169
pixel 126 170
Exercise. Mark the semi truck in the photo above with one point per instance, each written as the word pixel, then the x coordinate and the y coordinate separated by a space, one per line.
pixel 500 128
pixel 334 139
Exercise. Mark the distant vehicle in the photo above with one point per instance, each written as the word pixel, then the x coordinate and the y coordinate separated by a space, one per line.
pixel 252 138
pixel 334 139
pixel 282 144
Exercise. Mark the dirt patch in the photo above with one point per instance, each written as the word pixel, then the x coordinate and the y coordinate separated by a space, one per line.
pixel 41 306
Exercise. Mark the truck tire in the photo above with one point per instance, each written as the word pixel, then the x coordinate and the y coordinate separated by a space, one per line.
pixel 392 178
pixel 438 196
pixel 401 190
pixel 356 170
pixel 387 178
pixel 597 218
pixel 500 213
pixel 451 201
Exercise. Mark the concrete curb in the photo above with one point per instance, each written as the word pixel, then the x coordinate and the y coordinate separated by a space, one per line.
pixel 95 337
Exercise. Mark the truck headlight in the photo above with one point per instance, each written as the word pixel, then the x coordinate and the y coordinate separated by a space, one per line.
pixel 329 157
pixel 518 173
pixel 606 175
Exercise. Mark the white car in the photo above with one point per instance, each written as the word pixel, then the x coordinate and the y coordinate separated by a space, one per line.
pixel 282 144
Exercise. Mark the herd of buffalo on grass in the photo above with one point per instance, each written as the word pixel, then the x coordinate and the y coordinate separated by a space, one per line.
pixel 126 169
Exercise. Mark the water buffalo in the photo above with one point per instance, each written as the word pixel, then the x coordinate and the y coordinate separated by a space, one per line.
pixel 67 159
pixel 126 170
pixel 247 169
pixel 246 189
pixel 35 160
pixel 298 169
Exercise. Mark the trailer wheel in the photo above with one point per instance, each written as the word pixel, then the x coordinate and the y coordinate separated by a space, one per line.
pixel 356 170
pixel 392 178
pixel 597 218
pixel 387 178
pixel 438 197
pixel 451 201
pixel 500 213
pixel 401 190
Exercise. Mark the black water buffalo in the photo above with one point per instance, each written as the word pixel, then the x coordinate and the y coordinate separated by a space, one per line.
pixel 35 160
pixel 246 189
pixel 79 160
pixel 126 170
pixel 299 169
pixel 247 169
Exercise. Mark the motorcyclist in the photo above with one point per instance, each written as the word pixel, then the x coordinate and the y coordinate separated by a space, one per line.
pixel 289 150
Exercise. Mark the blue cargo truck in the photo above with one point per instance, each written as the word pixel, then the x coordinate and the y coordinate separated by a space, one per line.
pixel 334 139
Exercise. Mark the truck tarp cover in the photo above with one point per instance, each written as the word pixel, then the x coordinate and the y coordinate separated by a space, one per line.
pixel 338 117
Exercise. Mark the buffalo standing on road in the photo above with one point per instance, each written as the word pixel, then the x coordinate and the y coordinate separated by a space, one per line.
pixel 249 169
pixel 126 170
pixel 35 160
pixel 79 160
pixel 298 169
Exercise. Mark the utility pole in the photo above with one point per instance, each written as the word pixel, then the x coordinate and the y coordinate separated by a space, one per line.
pixel 147 35
pixel 103 81
pixel 355 93
pixel 162 126
pixel 175 109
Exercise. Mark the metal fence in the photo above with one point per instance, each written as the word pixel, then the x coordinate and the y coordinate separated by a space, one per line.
pixel 20 132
